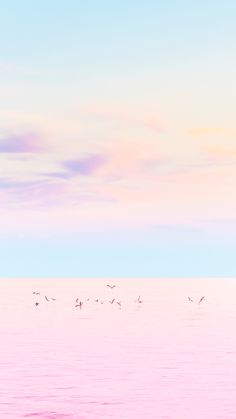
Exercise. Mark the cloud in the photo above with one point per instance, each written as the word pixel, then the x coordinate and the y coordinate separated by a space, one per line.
pixel 177 228
pixel 219 222
pixel 85 166
pixel 13 67
pixel 25 143
pixel 58 175
pixel 126 116
pixel 34 191
pixel 220 153
pixel 200 131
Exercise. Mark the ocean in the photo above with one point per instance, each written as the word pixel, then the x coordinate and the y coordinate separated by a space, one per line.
pixel 150 353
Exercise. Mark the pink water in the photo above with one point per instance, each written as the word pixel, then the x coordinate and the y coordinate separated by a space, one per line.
pixel 165 358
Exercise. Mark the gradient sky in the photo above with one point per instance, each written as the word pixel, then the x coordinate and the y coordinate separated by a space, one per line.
pixel 117 138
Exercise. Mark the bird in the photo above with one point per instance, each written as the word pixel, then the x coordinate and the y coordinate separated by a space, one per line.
pixel 36 304
pixel 79 305
pixel 190 299
pixel 119 303
pixel 111 286
pixel 53 299
pixel 36 293
pixel 201 299
pixel 112 301
pixel 96 301
pixel 77 300
pixel 138 300
pixel 46 298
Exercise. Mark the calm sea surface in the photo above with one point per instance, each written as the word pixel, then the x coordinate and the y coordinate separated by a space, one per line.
pixel 166 357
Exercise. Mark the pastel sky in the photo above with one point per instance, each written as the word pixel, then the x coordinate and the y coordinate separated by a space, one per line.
pixel 117 138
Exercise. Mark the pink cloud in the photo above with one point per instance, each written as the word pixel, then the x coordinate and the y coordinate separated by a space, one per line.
pixel 25 143
pixel 220 153
pixel 85 166
pixel 199 131
pixel 125 116
pixel 35 192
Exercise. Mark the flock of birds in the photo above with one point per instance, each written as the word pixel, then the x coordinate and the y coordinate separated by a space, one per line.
pixel 199 302
pixel 79 303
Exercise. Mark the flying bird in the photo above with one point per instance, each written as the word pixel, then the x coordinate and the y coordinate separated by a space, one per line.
pixel 201 299
pixel 190 299
pixel 79 305
pixel 36 304
pixel 112 301
pixel 138 300
pixel 111 286
pixel 36 293
pixel 46 298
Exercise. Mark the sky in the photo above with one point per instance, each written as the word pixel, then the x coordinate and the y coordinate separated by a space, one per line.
pixel 117 138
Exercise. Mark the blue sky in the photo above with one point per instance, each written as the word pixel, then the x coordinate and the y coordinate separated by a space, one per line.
pixel 117 138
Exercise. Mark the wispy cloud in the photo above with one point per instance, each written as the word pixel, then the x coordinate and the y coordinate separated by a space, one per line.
pixel 179 228
pixel 57 175
pixel 34 192
pixel 126 116
pixel 25 143
pixel 85 166
pixel 14 67
pixel 200 131
pixel 220 153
